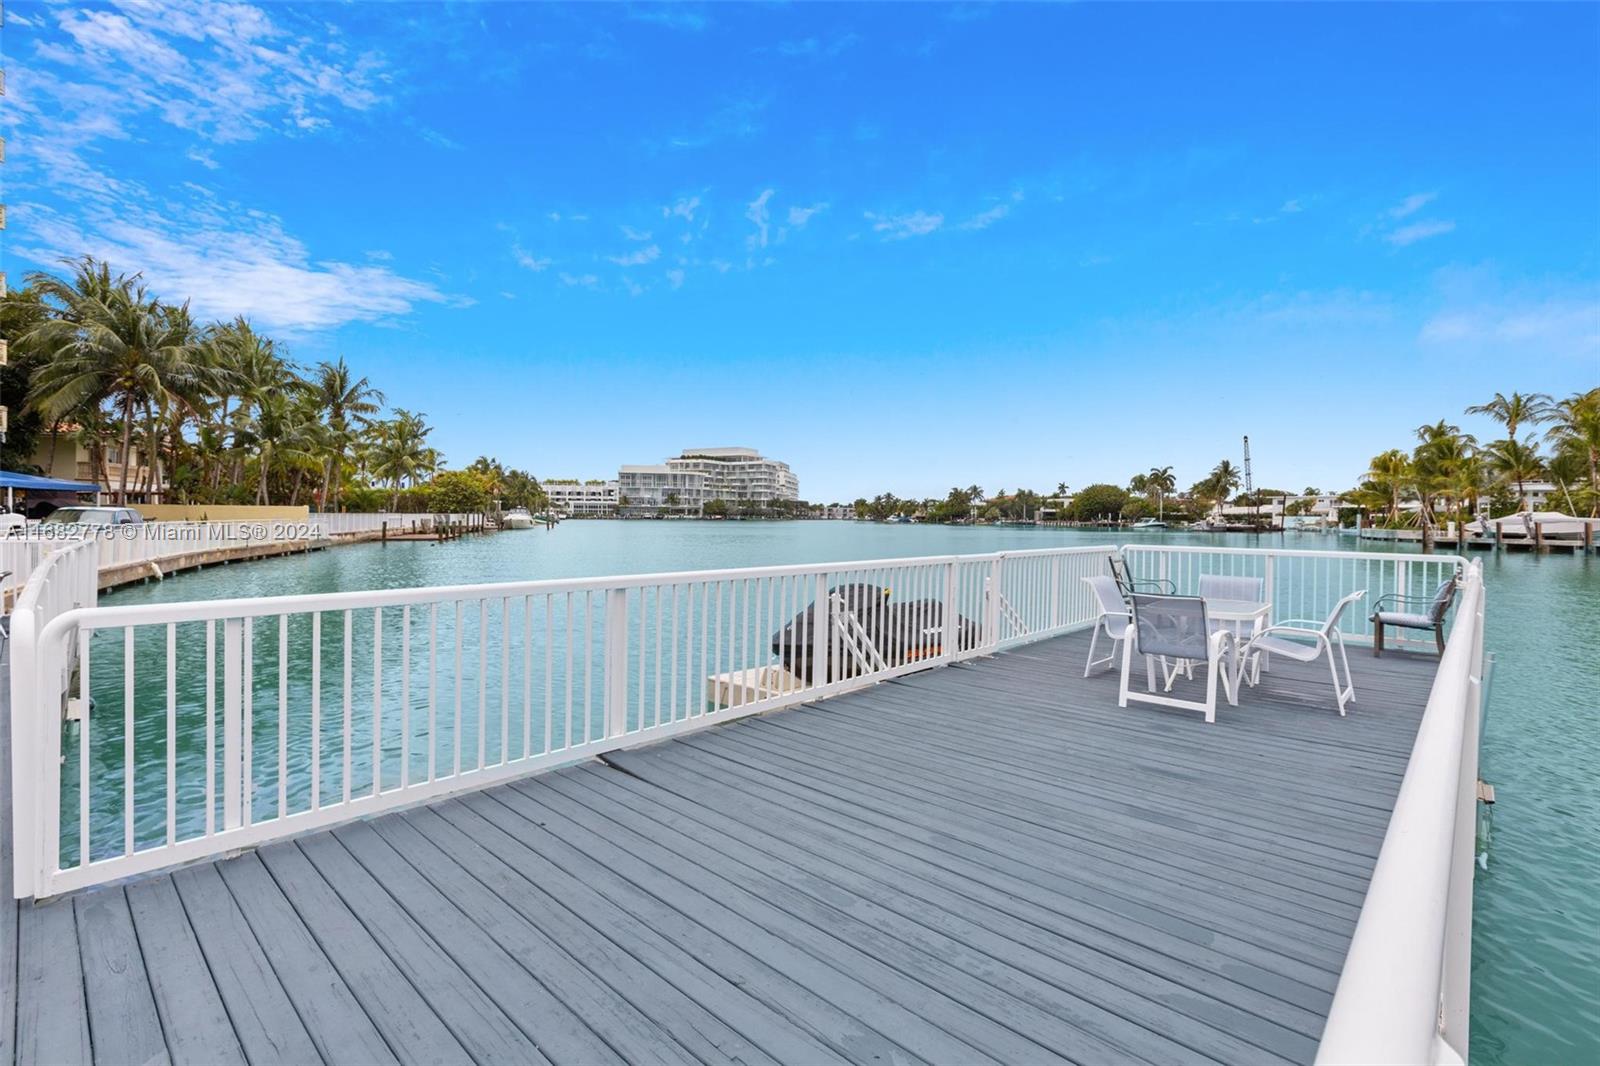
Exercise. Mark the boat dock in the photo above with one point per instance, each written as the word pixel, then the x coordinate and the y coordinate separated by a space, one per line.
pixel 990 862
pixel 535 822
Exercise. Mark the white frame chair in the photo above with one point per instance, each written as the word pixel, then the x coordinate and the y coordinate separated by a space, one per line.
pixel 1149 635
pixel 1325 637
pixel 1114 618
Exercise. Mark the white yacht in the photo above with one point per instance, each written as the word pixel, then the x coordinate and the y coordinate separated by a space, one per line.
pixel 517 518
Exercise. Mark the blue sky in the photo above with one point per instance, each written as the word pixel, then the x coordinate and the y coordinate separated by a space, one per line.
pixel 902 247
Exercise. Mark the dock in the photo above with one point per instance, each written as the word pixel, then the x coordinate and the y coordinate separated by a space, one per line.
pixel 986 862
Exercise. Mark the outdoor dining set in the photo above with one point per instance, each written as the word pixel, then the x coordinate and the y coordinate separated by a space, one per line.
pixel 1226 630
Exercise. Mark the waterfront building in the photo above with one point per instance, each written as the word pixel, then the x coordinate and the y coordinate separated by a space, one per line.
pixel 686 483
pixel 647 489
pixel 64 455
pixel 590 498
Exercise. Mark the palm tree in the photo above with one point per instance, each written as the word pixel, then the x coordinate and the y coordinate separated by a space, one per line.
pixel 1576 434
pixel 1390 475
pixel 1514 410
pixel 110 342
pixel 1516 462
pixel 1442 448
pixel 1162 483
pixel 399 451
pixel 348 402
pixel 1224 478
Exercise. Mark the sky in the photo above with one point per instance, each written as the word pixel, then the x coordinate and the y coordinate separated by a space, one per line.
pixel 901 247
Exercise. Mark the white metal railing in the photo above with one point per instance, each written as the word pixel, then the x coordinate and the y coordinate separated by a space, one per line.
pixel 63 581
pixel 1301 584
pixel 213 726
pixel 1405 992
pixel 169 542
pixel 338 524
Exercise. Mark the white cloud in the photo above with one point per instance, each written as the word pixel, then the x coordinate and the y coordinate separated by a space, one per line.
pixel 1412 204
pixel 812 48
pixel 527 260
pixel 1418 231
pixel 226 72
pixel 672 16
pixel 684 208
pixel 640 257
pixel 757 212
pixel 582 281
pixel 1291 207
pixel 230 262
pixel 985 219
pixel 219 73
pixel 379 255
pixel 899 227
pixel 675 277
pixel 1565 327
pixel 799 216
pixel 434 137
pixel 635 234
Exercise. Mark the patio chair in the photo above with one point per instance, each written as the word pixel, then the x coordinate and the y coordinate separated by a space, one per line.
pixel 1128 584
pixel 1113 618
pixel 1174 628
pixel 1431 618
pixel 1290 639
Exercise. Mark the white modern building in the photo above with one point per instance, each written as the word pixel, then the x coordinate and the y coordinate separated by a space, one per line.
pixel 687 483
pixel 587 498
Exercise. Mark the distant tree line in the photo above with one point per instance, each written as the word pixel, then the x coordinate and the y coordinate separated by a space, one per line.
pixel 216 412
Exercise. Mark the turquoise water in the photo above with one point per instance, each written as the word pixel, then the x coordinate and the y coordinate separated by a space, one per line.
pixel 1536 965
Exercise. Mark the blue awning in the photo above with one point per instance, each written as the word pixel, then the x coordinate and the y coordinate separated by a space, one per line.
pixel 10 479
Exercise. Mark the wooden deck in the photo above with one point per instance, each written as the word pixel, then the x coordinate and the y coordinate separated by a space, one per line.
pixel 990 862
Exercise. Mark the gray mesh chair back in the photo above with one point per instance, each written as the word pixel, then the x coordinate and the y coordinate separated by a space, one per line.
pixel 1119 575
pixel 1108 594
pixel 1221 587
pixel 1172 626
pixel 1443 596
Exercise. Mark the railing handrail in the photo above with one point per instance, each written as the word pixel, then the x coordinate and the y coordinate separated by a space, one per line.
pixel 1195 549
pixel 258 606
pixel 1398 992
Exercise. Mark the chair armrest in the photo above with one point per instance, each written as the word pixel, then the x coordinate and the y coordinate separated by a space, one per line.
pixel 1298 624
pixel 1292 630
pixel 1377 605
pixel 1161 584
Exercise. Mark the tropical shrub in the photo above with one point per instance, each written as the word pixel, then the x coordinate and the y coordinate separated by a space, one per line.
pixel 1096 501
pixel 458 491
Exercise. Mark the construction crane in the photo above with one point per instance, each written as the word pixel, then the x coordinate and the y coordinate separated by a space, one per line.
pixel 1249 488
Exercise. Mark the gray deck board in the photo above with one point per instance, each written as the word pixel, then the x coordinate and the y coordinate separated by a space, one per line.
pixel 990 862
pixel 193 1016
pixel 123 1023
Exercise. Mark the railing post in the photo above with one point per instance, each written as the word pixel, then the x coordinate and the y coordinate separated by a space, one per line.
pixel 991 607
pixel 26 761
pixel 1271 576
pixel 1055 591
pixel 821 627
pixel 948 643
pixel 616 662
pixel 232 723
